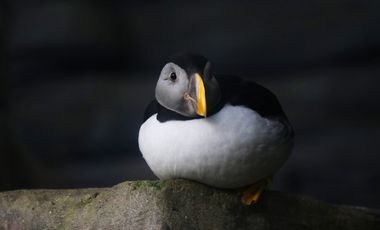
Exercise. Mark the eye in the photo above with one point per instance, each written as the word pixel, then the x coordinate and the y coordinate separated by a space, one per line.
pixel 173 76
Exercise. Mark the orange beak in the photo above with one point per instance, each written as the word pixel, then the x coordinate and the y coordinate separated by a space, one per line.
pixel 201 96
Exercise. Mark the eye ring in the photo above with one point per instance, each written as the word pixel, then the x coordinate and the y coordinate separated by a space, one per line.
pixel 173 76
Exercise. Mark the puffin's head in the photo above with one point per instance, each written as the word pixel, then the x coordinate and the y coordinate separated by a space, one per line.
pixel 186 85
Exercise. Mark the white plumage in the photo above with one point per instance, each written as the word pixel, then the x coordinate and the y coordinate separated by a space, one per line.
pixel 233 148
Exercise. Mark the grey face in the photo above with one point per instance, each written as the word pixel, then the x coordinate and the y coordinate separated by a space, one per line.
pixel 171 88
pixel 178 91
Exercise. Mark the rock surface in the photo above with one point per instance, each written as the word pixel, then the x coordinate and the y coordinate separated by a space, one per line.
pixel 174 204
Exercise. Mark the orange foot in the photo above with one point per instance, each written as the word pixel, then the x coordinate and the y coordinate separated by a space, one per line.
pixel 253 192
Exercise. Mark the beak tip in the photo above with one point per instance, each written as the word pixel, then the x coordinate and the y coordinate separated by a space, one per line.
pixel 202 114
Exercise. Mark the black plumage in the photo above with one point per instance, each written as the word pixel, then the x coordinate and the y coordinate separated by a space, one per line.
pixel 234 90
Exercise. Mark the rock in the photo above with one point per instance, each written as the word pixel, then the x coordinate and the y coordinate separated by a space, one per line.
pixel 173 204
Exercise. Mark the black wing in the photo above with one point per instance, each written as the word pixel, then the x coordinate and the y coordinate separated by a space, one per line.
pixel 237 91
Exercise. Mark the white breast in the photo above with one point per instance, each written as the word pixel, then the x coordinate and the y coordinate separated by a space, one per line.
pixel 233 148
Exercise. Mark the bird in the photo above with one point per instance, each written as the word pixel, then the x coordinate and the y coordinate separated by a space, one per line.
pixel 219 130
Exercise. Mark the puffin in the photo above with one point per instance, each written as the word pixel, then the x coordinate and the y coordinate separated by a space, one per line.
pixel 219 130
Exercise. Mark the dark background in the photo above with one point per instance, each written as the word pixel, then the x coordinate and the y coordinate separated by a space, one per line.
pixel 77 75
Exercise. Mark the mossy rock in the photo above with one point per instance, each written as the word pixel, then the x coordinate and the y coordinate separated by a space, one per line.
pixel 173 204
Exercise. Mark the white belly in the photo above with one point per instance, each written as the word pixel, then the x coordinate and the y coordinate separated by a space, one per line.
pixel 233 148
